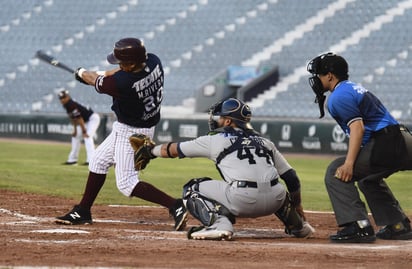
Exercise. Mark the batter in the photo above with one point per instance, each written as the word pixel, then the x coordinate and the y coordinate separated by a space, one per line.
pixel 136 88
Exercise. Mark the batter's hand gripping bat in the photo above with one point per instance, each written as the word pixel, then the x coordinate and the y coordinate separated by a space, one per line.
pixel 53 61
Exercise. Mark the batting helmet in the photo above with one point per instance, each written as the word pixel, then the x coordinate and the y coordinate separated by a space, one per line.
pixel 128 50
pixel 236 110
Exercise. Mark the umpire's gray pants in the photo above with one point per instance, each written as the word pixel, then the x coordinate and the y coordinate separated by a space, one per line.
pixel 345 199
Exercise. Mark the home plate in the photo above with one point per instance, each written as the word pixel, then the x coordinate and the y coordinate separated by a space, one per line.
pixel 61 231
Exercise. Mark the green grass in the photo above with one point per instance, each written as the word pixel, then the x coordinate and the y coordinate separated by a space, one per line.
pixel 36 168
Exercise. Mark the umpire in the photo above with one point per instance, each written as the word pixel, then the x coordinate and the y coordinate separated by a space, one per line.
pixel 378 147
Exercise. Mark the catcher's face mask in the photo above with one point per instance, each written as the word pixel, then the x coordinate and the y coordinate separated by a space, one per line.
pixel 316 67
pixel 213 117
pixel 233 109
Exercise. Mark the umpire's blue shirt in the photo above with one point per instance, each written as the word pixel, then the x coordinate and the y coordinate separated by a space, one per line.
pixel 349 102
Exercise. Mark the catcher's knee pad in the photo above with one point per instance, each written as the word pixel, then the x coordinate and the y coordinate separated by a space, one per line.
pixel 193 184
pixel 288 215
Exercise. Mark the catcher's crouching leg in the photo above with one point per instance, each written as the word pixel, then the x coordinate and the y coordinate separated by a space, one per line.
pixel 294 224
pixel 204 209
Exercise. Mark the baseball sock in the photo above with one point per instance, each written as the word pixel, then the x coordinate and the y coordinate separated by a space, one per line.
pixel 150 193
pixel 94 184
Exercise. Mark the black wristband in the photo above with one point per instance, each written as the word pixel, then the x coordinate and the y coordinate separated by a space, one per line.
pixel 168 150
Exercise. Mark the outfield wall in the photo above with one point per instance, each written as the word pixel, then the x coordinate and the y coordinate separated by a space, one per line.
pixel 43 127
pixel 317 136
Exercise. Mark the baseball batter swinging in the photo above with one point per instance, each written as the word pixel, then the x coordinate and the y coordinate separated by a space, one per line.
pixel 137 91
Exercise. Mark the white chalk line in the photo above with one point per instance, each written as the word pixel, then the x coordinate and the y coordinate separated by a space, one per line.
pixel 138 234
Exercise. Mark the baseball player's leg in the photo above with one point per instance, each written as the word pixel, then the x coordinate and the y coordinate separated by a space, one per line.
pixel 127 178
pixel 103 157
pixel 98 167
pixel 90 149
pixel 350 211
pixel 93 124
pixel 294 223
pixel 75 147
pixel 382 203
pixel 384 207
pixel 345 199
pixel 206 201
pixel 91 127
pixel 386 210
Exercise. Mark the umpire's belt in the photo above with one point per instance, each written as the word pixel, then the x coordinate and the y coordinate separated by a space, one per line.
pixel 389 129
pixel 251 184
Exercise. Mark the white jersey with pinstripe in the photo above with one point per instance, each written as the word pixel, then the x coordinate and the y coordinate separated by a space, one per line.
pixel 137 98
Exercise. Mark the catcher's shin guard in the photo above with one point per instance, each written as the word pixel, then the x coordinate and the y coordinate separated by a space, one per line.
pixel 288 215
pixel 201 209
pixel 204 209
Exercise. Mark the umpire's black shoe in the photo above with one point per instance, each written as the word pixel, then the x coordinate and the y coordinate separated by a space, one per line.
pixel 179 213
pixel 398 231
pixel 353 233
pixel 76 216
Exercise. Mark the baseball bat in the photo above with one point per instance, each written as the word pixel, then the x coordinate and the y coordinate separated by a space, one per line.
pixel 53 61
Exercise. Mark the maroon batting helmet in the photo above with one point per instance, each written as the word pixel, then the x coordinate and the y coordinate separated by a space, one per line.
pixel 128 50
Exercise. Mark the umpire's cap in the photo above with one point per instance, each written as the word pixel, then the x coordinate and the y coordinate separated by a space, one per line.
pixel 128 50
pixel 329 62
pixel 63 94
pixel 236 110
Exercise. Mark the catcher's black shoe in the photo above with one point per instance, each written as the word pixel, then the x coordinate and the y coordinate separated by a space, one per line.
pixel 354 233
pixel 179 213
pixel 76 216
pixel 399 231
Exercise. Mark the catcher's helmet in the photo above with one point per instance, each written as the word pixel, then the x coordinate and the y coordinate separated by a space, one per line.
pixel 128 50
pixel 236 110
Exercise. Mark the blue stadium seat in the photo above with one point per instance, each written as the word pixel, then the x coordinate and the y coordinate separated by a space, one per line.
pixel 81 33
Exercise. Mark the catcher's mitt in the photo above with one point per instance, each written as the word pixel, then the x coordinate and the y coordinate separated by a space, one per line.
pixel 142 146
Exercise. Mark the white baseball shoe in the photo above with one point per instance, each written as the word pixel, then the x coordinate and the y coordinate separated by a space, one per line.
pixel 208 233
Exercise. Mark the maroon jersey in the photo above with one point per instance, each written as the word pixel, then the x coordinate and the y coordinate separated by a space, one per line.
pixel 76 110
pixel 136 96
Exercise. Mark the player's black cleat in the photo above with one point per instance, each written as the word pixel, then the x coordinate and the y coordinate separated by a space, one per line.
pixel 398 231
pixel 76 216
pixel 353 233
pixel 179 213
pixel 70 163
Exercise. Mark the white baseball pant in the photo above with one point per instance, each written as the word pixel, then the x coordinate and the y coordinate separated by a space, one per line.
pixel 91 127
pixel 116 150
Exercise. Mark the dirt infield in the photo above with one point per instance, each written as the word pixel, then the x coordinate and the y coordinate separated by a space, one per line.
pixel 125 236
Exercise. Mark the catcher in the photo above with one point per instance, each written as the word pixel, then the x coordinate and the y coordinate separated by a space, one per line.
pixel 250 166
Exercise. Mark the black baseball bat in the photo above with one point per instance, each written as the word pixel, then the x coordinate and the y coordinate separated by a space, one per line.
pixel 53 61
